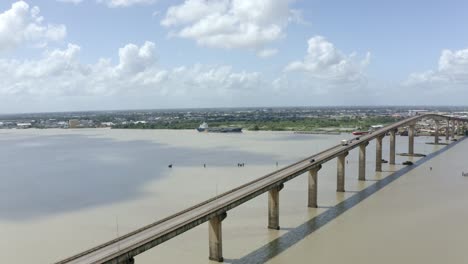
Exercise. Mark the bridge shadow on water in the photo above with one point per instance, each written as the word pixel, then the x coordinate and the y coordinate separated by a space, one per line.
pixel 296 234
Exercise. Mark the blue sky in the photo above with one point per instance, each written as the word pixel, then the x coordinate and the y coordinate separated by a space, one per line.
pixel 117 54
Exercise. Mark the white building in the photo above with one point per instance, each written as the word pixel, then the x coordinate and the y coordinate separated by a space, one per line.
pixel 417 112
pixel 23 125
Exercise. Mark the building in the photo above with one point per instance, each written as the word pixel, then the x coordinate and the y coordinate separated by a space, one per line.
pixel 23 125
pixel 417 112
pixel 73 123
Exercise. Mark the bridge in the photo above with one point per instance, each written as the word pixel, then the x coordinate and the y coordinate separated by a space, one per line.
pixel 123 249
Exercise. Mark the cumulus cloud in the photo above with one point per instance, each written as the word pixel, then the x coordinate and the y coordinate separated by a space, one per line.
pixel 325 62
pixel 125 3
pixel 231 24
pixel 22 24
pixel 452 72
pixel 60 73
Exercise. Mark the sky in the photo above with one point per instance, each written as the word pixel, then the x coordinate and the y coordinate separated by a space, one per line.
pixel 73 55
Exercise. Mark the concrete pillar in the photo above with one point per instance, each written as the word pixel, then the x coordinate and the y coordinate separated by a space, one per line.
pixel 411 139
pixel 452 130
pixel 392 146
pixel 447 135
pixel 362 161
pixel 215 237
pixel 378 153
pixel 313 186
pixel 273 207
pixel 436 133
pixel 340 174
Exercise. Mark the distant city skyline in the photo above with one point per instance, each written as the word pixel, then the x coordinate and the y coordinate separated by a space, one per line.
pixel 78 55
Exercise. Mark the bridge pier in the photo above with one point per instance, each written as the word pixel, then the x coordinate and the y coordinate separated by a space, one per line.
pixel 411 139
pixel 452 130
pixel 447 135
pixel 313 187
pixel 436 133
pixel 392 146
pixel 378 153
pixel 362 161
pixel 130 261
pixel 340 174
pixel 273 207
pixel 215 237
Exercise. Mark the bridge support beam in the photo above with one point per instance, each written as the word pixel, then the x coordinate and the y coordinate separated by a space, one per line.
pixel 215 237
pixel 273 207
pixel 378 153
pixel 392 146
pixel 362 161
pixel 313 187
pixel 436 133
pixel 340 174
pixel 411 139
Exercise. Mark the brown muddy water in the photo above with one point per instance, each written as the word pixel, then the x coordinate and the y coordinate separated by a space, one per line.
pixel 64 191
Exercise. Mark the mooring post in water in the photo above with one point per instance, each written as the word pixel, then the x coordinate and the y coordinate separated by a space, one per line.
pixel 411 139
pixel 436 133
pixel 392 145
pixel 362 161
pixel 313 186
pixel 215 237
pixel 378 153
pixel 340 173
pixel 273 207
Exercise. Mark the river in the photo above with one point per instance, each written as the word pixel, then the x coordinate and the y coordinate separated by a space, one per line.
pixel 64 191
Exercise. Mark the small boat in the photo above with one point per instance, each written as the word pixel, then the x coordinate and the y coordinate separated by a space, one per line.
pixel 360 133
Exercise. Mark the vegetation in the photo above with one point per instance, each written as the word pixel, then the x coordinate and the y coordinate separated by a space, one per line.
pixel 294 124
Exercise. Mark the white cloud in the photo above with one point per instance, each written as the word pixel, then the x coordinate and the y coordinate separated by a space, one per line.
pixel 266 53
pixel 324 62
pixel 22 24
pixel 71 1
pixel 451 74
pixel 125 3
pixel 135 59
pixel 231 24
pixel 60 74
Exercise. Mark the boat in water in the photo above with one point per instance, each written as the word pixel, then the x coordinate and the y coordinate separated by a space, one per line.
pixel 204 128
pixel 360 133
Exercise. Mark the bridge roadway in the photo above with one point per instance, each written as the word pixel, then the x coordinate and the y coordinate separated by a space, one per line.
pixel 124 248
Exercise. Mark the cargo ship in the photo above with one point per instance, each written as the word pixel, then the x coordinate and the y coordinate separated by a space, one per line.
pixel 204 128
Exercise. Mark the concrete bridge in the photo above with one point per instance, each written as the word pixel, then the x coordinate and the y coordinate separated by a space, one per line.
pixel 214 210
